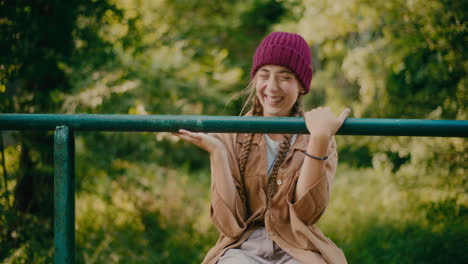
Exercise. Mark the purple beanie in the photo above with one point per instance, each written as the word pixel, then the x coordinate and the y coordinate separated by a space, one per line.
pixel 288 50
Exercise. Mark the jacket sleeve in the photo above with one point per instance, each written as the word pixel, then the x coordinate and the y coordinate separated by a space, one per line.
pixel 230 222
pixel 312 204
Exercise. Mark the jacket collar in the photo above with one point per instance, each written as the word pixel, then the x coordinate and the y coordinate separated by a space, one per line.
pixel 300 143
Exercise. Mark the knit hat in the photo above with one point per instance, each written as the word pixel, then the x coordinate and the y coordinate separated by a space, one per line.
pixel 288 50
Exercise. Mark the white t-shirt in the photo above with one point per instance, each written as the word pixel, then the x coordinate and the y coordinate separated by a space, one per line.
pixel 272 148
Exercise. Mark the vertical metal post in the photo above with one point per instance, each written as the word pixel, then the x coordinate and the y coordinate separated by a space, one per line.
pixel 64 195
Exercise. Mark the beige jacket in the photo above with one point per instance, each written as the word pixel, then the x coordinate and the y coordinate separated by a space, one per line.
pixel 289 223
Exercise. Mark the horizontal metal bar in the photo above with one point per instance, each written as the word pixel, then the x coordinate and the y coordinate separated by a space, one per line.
pixel 230 124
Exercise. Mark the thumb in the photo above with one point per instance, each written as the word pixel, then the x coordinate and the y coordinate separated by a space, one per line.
pixel 344 115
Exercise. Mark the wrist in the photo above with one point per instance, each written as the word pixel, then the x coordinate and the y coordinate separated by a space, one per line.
pixel 318 145
pixel 218 152
pixel 321 135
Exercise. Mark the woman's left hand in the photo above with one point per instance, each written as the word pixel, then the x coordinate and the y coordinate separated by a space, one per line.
pixel 202 140
pixel 322 121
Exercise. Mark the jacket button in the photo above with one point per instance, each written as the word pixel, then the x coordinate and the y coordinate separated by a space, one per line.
pixel 279 182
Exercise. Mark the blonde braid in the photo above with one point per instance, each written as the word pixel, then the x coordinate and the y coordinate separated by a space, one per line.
pixel 296 110
pixel 245 152
pixel 246 146
pixel 257 110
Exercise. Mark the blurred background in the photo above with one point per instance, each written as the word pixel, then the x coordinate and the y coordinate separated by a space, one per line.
pixel 144 197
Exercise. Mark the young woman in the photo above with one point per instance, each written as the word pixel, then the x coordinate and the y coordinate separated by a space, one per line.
pixel 268 191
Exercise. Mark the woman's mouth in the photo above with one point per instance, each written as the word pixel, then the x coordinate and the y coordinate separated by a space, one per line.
pixel 273 100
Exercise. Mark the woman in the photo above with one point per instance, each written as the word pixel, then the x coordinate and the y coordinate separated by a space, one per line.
pixel 268 191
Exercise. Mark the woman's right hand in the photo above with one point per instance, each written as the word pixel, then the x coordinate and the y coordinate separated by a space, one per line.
pixel 202 140
pixel 322 122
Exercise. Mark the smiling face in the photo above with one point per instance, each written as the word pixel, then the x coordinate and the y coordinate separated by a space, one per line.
pixel 277 89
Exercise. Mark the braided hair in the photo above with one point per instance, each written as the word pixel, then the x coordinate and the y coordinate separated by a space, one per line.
pixel 257 110
pixel 284 147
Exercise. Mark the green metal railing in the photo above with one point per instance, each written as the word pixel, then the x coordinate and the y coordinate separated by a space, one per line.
pixel 64 145
pixel 231 124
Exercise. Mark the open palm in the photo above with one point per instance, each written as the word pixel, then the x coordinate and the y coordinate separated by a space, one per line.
pixel 202 140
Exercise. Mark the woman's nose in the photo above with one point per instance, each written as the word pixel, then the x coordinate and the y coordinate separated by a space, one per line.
pixel 271 84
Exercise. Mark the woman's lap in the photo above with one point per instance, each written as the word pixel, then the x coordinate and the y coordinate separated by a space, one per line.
pixel 257 249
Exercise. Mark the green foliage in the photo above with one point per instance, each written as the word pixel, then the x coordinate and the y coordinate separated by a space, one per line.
pixel 397 59
pixel 22 240
pixel 39 49
pixel 375 221
pixel 139 195
pixel 151 218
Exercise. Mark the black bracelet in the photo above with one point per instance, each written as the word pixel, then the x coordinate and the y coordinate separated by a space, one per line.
pixel 314 157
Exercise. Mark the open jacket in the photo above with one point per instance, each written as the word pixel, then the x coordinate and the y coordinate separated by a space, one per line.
pixel 289 223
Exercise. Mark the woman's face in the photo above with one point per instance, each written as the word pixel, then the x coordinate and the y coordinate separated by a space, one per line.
pixel 277 88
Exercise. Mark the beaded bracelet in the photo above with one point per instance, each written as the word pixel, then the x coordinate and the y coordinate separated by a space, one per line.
pixel 314 157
